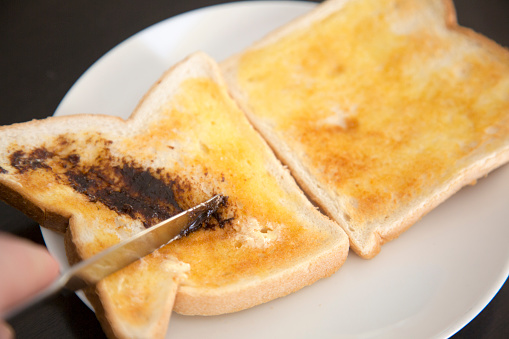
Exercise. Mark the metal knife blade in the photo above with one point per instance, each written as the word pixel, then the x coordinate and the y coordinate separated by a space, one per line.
pixel 92 270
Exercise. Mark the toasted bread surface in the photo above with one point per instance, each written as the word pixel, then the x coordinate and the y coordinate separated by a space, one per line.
pixel 381 109
pixel 187 140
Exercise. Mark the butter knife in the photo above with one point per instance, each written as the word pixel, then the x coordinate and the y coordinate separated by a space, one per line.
pixel 92 270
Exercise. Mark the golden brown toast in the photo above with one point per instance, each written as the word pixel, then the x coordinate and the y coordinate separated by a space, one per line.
pixel 380 108
pixel 100 179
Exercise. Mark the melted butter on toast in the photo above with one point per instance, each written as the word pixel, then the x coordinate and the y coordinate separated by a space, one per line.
pixel 382 106
pixel 132 281
pixel 227 161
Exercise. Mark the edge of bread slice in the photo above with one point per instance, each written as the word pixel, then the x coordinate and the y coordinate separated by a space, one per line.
pixel 375 77
pixel 101 179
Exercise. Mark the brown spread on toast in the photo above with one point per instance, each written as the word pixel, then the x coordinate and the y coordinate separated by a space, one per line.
pixel 119 184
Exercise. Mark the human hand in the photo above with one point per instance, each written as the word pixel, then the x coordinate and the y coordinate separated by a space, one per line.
pixel 26 268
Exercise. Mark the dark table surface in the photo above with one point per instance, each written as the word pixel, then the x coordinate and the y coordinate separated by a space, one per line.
pixel 47 44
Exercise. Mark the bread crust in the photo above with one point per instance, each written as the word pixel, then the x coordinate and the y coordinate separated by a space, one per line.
pixel 189 302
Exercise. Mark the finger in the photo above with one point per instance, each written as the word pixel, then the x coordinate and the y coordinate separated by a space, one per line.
pixel 6 331
pixel 26 268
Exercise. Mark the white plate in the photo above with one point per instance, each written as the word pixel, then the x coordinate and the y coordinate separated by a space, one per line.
pixel 428 283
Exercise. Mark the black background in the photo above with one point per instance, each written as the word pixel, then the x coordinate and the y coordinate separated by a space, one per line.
pixel 47 44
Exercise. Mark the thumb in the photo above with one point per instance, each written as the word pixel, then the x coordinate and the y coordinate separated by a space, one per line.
pixel 26 268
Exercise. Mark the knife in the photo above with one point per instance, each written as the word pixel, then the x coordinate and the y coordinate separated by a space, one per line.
pixel 92 270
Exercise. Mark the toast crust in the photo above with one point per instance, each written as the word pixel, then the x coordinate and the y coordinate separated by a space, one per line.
pixel 380 117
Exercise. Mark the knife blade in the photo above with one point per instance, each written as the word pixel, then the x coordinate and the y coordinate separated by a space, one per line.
pixel 92 270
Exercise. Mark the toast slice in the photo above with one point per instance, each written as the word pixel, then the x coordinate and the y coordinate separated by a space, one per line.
pixel 381 109
pixel 99 179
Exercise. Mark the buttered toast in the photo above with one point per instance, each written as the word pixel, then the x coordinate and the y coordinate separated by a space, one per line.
pixel 381 109
pixel 99 179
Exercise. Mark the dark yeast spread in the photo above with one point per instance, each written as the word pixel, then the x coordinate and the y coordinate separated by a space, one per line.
pixel 145 194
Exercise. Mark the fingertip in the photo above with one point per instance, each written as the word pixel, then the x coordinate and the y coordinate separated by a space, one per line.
pixel 46 264
pixel 29 267
pixel 53 267
pixel 40 263
pixel 6 332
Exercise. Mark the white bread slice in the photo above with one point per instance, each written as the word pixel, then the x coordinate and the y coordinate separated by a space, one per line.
pixel 381 109
pixel 99 179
